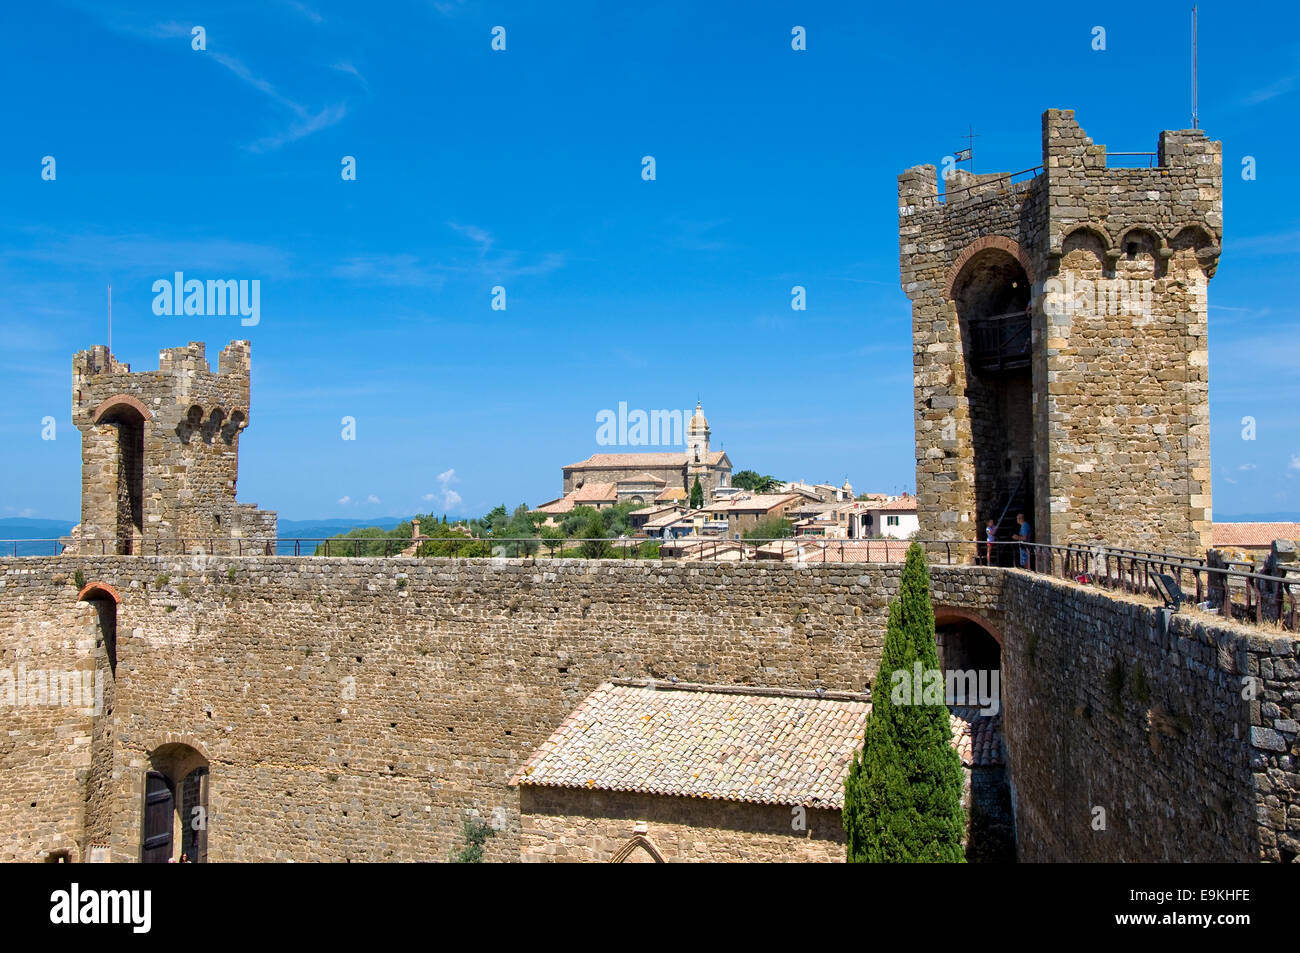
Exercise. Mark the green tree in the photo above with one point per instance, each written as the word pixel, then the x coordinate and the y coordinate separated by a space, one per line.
pixel 594 545
pixel 773 527
pixel 902 797
pixel 697 495
pixel 754 481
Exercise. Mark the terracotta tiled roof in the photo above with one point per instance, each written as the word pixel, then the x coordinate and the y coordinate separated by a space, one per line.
pixel 752 502
pixel 670 458
pixel 1253 534
pixel 652 509
pixel 644 477
pixel 815 549
pixel 672 493
pixel 708 741
pixel 725 742
pixel 595 493
pixel 977 737
pixel 563 505
pixel 907 503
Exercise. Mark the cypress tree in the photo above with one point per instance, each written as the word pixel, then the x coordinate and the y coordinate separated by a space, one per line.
pixel 902 797
pixel 697 495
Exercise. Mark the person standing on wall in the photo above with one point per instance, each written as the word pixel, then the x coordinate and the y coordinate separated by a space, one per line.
pixel 1024 534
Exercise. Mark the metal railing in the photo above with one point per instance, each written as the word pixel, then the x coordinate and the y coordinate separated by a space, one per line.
pixel 1227 589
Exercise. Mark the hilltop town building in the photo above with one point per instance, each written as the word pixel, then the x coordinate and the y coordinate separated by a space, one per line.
pixel 665 477
pixel 1059 342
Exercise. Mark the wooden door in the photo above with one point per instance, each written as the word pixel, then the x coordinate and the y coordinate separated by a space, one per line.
pixel 159 819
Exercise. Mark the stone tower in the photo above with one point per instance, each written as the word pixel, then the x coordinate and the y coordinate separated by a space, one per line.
pixel 1059 342
pixel 160 453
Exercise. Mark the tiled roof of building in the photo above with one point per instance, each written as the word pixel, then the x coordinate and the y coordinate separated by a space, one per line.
pixel 644 477
pixel 751 502
pixel 1253 534
pixel 814 549
pixel 977 737
pixel 907 503
pixel 563 505
pixel 707 741
pixel 671 494
pixel 595 493
pixel 734 743
pixel 652 509
pixel 669 458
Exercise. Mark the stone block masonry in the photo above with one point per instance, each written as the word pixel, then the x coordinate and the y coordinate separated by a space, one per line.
pixel 355 709
pixel 1136 736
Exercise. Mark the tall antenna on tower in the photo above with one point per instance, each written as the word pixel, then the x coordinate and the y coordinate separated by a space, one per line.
pixel 1195 120
pixel 110 319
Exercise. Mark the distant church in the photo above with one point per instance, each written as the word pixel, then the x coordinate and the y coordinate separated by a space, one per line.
pixel 604 479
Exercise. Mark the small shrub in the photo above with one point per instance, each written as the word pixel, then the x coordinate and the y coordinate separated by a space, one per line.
pixel 230 574
pixel 1141 690
pixel 161 580
pixel 476 833
pixel 184 590
pixel 1115 684
pixel 79 580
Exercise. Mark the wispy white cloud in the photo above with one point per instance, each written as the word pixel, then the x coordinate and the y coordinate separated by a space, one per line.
pixel 479 236
pixel 400 270
pixel 305 11
pixel 345 500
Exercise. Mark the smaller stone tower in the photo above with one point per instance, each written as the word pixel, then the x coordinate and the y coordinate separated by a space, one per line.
pixel 160 454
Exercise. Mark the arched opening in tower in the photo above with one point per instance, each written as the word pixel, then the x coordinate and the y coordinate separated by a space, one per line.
pixel 129 426
pixel 992 295
pixel 971 660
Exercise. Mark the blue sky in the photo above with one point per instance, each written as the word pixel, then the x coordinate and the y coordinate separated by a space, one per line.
pixel 522 168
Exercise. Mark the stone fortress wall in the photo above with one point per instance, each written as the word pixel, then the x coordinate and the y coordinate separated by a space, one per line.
pixel 355 709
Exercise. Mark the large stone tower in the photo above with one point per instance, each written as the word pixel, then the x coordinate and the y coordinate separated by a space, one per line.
pixel 1059 342
pixel 160 453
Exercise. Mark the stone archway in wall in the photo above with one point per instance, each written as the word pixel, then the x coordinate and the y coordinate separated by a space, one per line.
pixel 990 286
pixel 174 814
pixel 126 417
pixel 970 652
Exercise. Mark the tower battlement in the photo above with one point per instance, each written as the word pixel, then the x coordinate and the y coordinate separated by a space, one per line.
pixel 1060 343
pixel 160 449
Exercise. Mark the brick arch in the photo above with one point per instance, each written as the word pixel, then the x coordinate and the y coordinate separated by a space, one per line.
pixel 999 242
pixel 120 400
pixel 99 590
pixel 944 615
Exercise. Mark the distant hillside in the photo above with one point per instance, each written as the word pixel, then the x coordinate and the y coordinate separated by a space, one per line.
pixel 323 529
